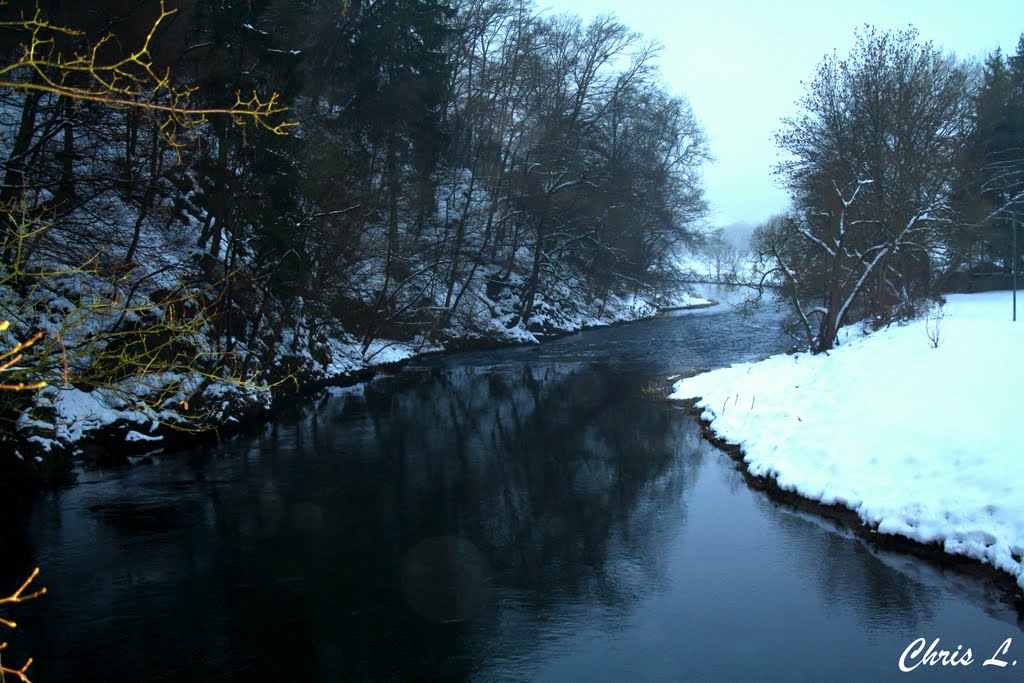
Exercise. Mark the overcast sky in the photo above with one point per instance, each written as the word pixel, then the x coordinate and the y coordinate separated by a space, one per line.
pixel 741 64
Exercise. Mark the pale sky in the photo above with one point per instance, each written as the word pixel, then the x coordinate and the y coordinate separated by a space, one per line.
pixel 741 65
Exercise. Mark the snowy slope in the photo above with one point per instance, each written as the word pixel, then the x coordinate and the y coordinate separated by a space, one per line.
pixel 64 415
pixel 920 441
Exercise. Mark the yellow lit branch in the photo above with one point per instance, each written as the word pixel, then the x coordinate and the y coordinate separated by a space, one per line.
pixel 132 81
pixel 130 346
pixel 19 596
pixel 13 356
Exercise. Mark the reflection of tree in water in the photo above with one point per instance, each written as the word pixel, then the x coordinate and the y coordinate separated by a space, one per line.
pixel 888 590
pixel 850 576
pixel 337 547
pixel 467 483
pixel 543 468
pixel 554 476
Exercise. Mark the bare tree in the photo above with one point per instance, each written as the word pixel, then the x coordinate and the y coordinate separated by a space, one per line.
pixel 722 257
pixel 871 161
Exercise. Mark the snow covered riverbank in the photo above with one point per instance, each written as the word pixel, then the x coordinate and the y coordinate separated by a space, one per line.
pixel 919 440
pixel 109 424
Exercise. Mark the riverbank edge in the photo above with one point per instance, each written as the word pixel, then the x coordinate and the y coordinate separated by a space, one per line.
pixel 107 449
pixel 935 553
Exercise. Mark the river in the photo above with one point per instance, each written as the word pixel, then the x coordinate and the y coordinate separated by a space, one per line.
pixel 514 515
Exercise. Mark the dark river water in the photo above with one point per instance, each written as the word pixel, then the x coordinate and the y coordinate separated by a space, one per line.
pixel 520 515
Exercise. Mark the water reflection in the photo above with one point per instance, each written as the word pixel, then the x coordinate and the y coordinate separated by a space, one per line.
pixel 501 516
pixel 356 542
pixel 849 576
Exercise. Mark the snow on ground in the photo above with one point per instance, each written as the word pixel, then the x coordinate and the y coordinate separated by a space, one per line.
pixel 386 352
pixel 919 441
pixel 64 415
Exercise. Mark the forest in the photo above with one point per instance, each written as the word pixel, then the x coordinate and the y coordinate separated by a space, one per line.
pixel 211 202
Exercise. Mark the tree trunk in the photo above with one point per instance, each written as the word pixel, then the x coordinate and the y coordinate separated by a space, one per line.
pixel 531 289
pixel 14 169
pixel 66 188
pixel 147 197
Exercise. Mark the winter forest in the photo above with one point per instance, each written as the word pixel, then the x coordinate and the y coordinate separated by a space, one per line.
pixel 417 172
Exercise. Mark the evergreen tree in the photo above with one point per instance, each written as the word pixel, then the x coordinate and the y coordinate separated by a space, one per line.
pixel 991 186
